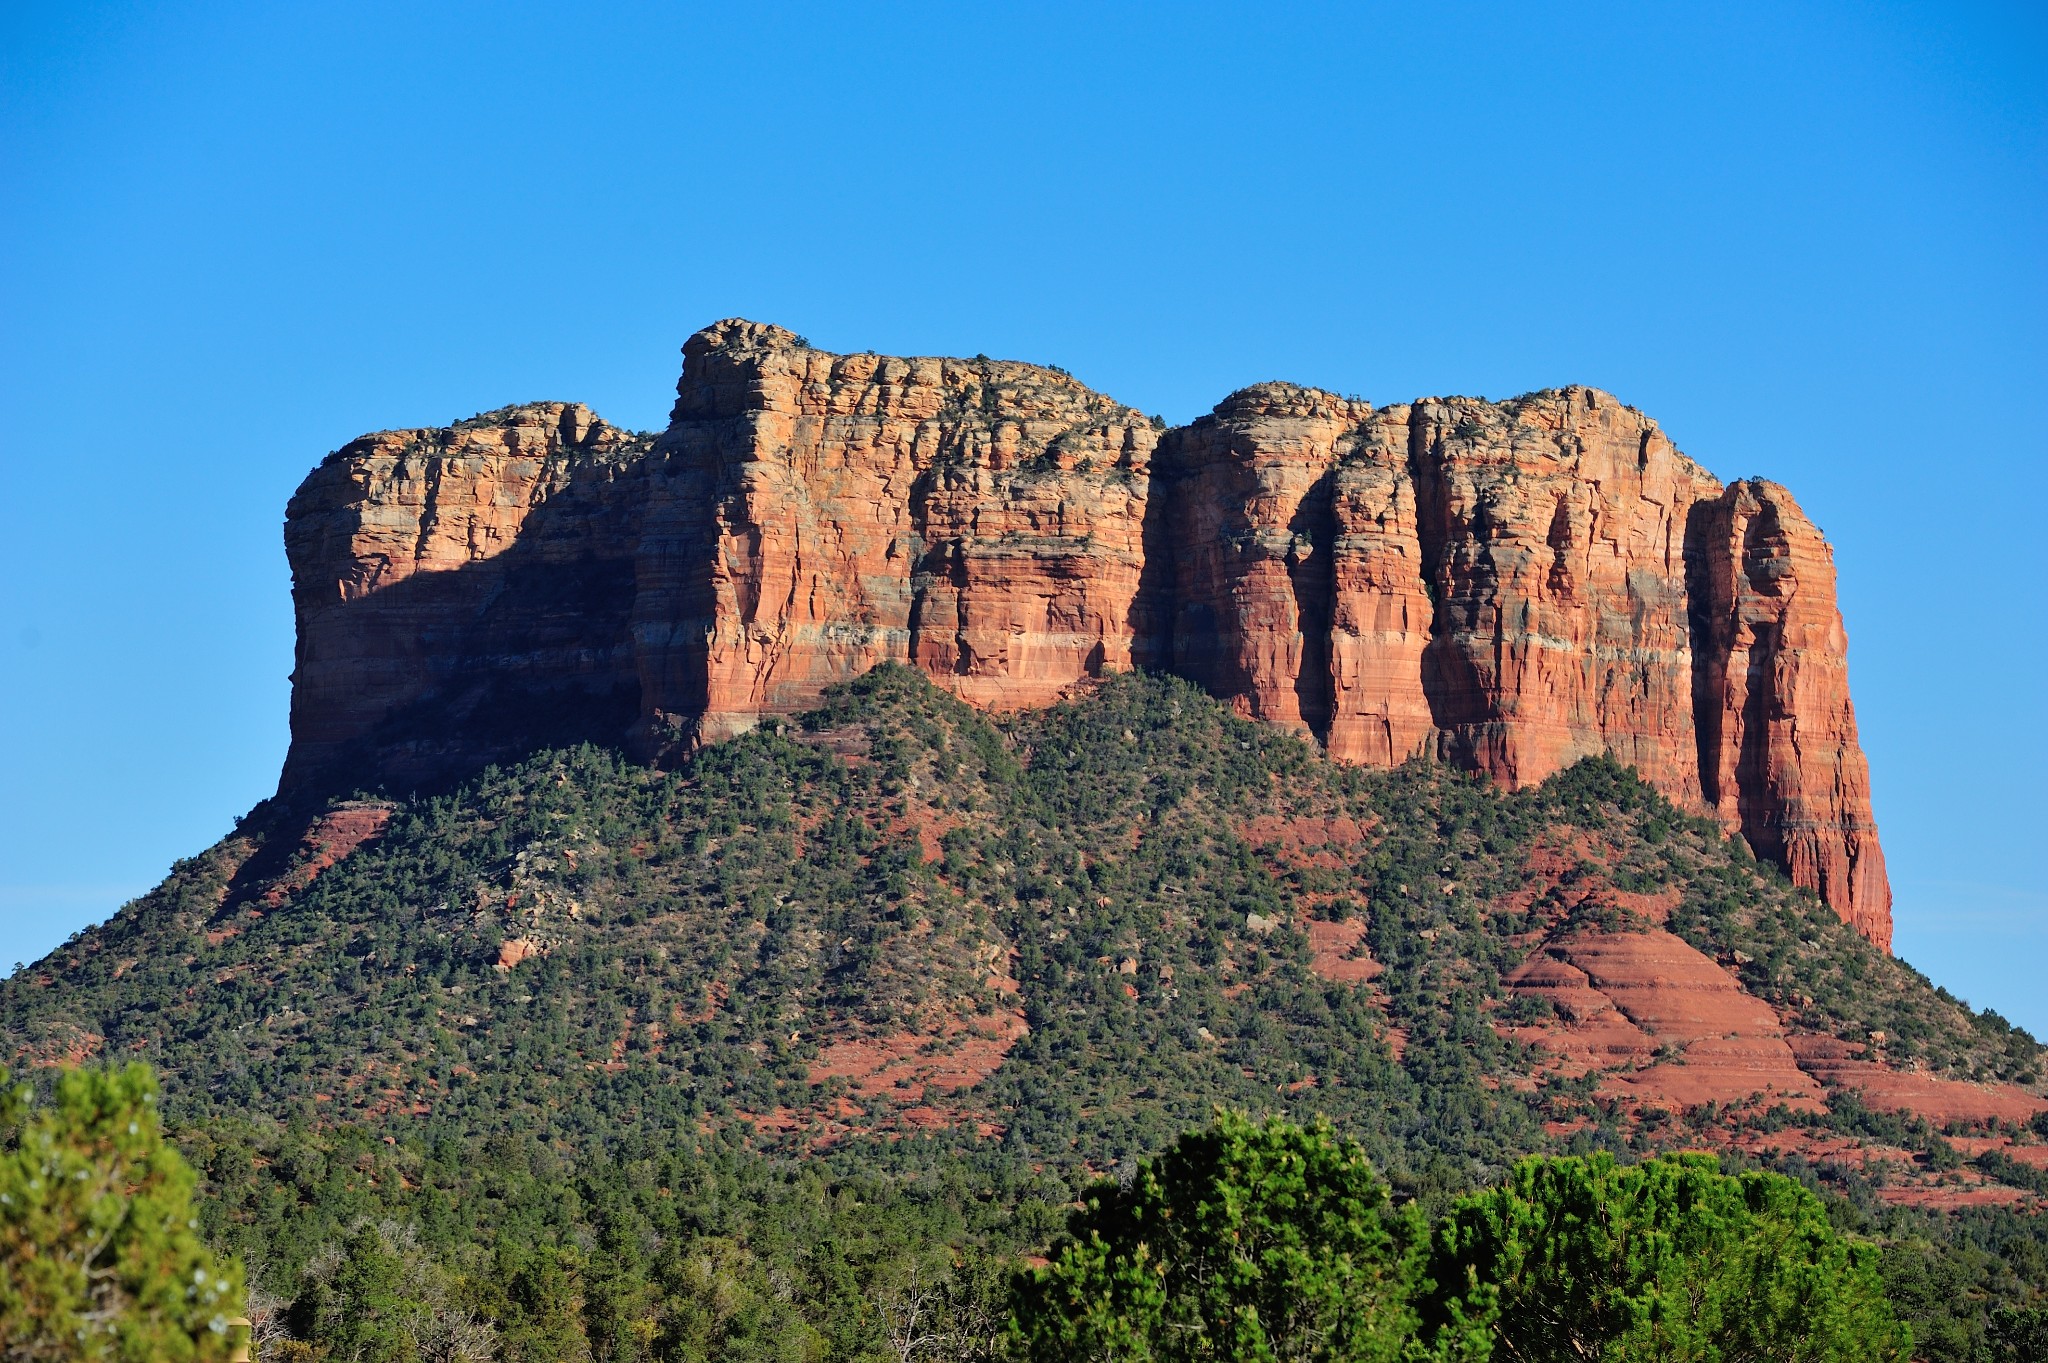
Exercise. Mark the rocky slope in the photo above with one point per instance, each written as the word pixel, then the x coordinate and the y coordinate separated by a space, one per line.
pixel 1507 587
pixel 1054 937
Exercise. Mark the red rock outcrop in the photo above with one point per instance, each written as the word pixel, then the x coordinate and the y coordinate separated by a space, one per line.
pixel 1499 583
pixel 1505 586
pixel 1840 1064
pixel 1663 1025
pixel 1514 586
pixel 481 570
pixel 1250 537
pixel 1381 610
pixel 1777 732
pixel 331 839
pixel 1554 526
pixel 1675 1027
pixel 814 515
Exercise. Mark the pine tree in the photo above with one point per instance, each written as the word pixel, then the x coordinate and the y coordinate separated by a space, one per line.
pixel 1248 1241
pixel 100 1253
pixel 1671 1260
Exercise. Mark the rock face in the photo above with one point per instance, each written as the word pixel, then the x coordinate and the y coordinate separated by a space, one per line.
pixel 1507 587
pixel 1248 496
pixel 1555 528
pixel 812 515
pixel 1777 734
pixel 461 593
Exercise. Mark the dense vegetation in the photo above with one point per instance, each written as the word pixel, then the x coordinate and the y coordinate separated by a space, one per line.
pixel 1266 1241
pixel 708 1114
pixel 1252 1241
pixel 1667 1259
pixel 1246 1241
pixel 100 1255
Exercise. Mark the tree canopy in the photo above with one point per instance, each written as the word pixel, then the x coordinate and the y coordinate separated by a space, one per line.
pixel 1582 1258
pixel 1247 1240
pixel 100 1252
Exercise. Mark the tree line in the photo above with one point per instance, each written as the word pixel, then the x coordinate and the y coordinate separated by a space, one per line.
pixel 1256 1240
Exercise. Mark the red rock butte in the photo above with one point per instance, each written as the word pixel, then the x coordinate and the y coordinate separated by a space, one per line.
pixel 1507 587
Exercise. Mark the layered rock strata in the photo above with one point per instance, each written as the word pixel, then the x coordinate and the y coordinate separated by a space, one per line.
pixel 1779 758
pixel 811 515
pixel 1663 1021
pixel 462 593
pixel 1508 586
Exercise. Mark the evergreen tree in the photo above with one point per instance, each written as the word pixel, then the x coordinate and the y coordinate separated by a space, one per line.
pixel 100 1253
pixel 1246 1241
pixel 1577 1259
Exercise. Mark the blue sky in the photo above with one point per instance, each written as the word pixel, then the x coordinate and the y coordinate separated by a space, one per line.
pixel 1811 239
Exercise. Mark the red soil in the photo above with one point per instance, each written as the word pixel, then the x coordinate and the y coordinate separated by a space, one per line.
pixel 1940 1101
pixel 1337 952
pixel 331 837
pixel 911 1065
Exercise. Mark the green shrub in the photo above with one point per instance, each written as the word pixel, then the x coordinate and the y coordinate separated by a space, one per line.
pixel 100 1255
pixel 1582 1258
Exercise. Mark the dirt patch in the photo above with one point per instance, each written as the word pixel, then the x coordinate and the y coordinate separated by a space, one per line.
pixel 850 743
pixel 1840 1064
pixel 1305 831
pixel 69 1051
pixel 1307 842
pixel 1337 952
pixel 1651 907
pixel 907 1066
pixel 1951 1197
pixel 2033 1154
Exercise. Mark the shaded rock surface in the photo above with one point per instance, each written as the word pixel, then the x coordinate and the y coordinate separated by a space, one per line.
pixel 1507 587
pixel 462 595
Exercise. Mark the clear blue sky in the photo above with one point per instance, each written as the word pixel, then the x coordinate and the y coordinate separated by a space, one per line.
pixel 1808 238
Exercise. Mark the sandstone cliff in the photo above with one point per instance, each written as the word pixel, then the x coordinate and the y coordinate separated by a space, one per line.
pixel 1779 758
pixel 812 515
pixel 461 594
pixel 1507 587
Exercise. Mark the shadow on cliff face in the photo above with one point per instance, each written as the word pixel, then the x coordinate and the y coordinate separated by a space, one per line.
pixel 1708 662
pixel 1717 572
pixel 1451 684
pixel 1311 574
pixel 1224 600
pixel 448 672
pixel 1153 605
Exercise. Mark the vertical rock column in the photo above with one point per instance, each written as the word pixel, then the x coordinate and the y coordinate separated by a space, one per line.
pixel 1554 529
pixel 1380 612
pixel 1252 529
pixel 1779 755
pixel 779 550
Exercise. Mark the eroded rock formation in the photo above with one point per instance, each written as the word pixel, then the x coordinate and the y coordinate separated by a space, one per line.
pixel 462 593
pixel 1508 586
pixel 1779 758
pixel 811 515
